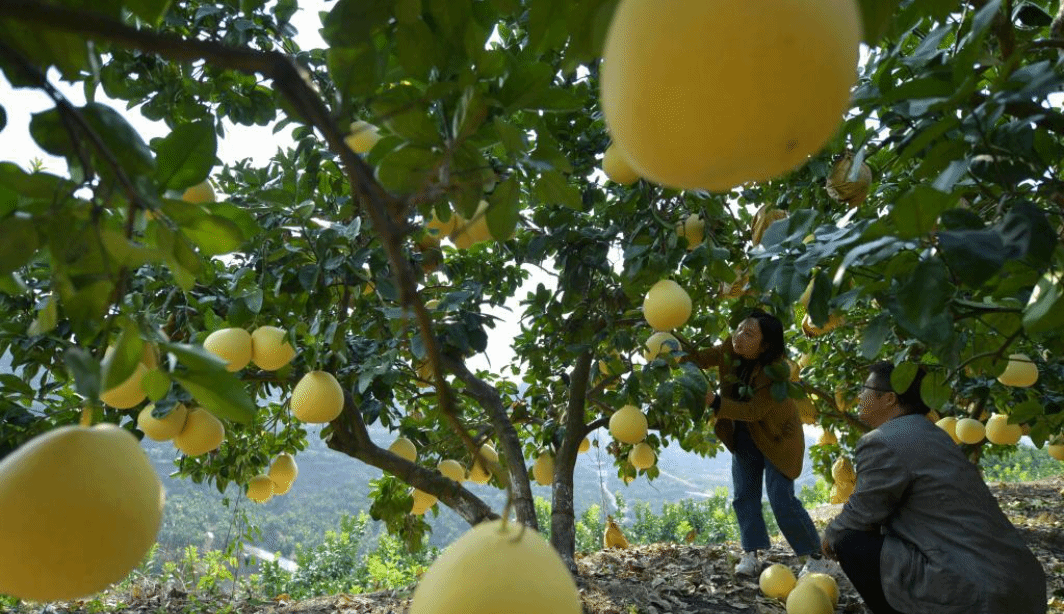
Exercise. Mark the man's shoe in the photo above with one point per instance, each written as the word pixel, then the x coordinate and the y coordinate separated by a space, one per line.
pixel 821 565
pixel 749 565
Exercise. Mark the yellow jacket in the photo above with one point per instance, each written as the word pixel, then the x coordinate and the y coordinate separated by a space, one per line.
pixel 774 425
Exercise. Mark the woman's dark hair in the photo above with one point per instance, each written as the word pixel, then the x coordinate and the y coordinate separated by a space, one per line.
pixel 911 402
pixel 771 337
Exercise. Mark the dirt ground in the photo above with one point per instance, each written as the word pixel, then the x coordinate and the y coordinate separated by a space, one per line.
pixel 674 578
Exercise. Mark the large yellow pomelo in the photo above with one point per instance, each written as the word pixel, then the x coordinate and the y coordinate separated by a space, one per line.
pixel 201 434
pixel 999 431
pixel 666 305
pixel 129 393
pixel 452 469
pixel 970 430
pixel 404 448
pixel 1021 372
pixel 708 94
pixel 585 445
pixel 479 473
pixel 1056 450
pixel 812 330
pixel 628 425
pixel 842 470
pixel 473 231
pixel 661 344
pixel 949 424
pixel 776 581
pixel 765 216
pixel 260 488
pixel 543 469
pixel 165 428
pixel 422 502
pixel 362 137
pixel 827 438
pixel 840 492
pixel 233 345
pixel 79 508
pixel 806 411
pixel 282 488
pixel 826 583
pixel 808 598
pixel 692 228
pixel 269 349
pixel 642 456
pixel 617 168
pixel 317 398
pixel 853 193
pixel 283 469
pixel 497 567
pixel 200 193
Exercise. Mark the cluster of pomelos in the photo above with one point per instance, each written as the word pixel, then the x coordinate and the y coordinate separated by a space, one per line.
pixel 813 593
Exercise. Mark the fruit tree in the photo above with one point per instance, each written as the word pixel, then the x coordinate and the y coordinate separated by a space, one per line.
pixel 445 159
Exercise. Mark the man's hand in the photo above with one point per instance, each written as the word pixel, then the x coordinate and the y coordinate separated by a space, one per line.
pixel 827 548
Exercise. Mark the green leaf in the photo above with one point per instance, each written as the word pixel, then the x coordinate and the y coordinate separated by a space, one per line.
pixel 194 357
pixel 417 48
pixel 1026 412
pixel 876 16
pixel 220 393
pixel 973 255
pixel 86 371
pixel 873 336
pixel 921 303
pixel 356 71
pixel 916 211
pixel 18 242
pixel 1044 312
pixel 156 383
pixel 124 358
pixel 553 188
pixel 902 376
pixel 214 235
pixel 935 390
pixel 505 209
pixel 406 170
pixel 514 139
pixel 123 144
pixel 186 155
pixel 47 318
pixel 351 23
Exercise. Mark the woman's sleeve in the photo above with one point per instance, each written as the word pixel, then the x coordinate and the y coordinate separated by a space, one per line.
pixel 708 357
pixel 759 406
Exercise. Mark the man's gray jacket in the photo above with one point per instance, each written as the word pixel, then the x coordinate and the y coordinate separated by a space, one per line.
pixel 947 548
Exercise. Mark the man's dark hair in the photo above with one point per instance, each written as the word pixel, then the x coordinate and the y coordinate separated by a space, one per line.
pixel 911 402
pixel 771 336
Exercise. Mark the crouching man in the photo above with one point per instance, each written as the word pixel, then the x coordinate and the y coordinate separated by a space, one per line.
pixel 922 533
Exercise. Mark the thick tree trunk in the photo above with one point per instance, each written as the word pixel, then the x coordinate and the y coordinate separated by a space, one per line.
pixel 563 515
pixel 509 442
pixel 349 435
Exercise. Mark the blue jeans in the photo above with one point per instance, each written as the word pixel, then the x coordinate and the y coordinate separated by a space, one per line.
pixel 749 465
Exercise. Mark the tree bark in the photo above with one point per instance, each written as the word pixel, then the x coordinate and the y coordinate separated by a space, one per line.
pixel 563 514
pixel 349 435
pixel 509 442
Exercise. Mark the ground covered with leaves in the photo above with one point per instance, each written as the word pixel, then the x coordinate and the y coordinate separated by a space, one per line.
pixel 653 579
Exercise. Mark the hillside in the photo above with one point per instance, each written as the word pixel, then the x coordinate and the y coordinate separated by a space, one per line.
pixel 661 578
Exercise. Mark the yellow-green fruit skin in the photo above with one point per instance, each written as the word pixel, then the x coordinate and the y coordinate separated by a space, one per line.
pixel 79 508
pixel 326 403
pixel 129 393
pixel 200 193
pixel 201 434
pixel 708 94
pixel 284 469
pixel 165 428
pixel 497 568
pixel 269 350
pixel 233 345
